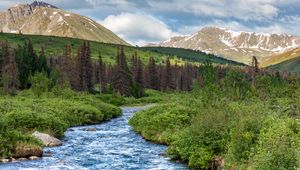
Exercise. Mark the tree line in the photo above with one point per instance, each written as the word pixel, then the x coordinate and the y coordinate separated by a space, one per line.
pixel 129 78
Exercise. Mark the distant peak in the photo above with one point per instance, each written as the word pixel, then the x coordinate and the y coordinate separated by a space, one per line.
pixel 42 4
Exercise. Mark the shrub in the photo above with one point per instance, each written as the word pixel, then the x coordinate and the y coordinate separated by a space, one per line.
pixel 279 145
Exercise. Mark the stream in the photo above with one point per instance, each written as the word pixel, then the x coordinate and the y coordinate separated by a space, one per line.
pixel 113 146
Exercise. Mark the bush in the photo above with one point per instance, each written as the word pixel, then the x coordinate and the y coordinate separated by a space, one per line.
pixel 28 120
pixel 278 145
pixel 245 127
pixel 51 113
pixel 39 83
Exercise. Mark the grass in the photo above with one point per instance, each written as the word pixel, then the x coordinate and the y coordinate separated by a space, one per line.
pixel 281 58
pixel 292 65
pixel 52 113
pixel 229 122
pixel 192 55
pixel 54 46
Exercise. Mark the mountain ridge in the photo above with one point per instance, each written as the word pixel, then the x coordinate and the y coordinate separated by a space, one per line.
pixel 40 18
pixel 235 45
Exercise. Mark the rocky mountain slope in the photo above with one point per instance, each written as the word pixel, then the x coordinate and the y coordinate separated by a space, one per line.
pixel 276 59
pixel 237 46
pixel 45 19
pixel 291 65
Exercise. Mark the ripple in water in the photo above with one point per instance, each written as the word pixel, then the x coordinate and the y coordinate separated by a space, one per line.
pixel 113 146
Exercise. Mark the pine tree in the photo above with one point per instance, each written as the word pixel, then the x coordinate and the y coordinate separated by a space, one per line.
pixel 77 77
pixel 153 74
pixel 255 70
pixel 42 62
pixel 101 74
pixel 122 81
pixel 208 74
pixel 27 62
pixel 88 67
pixel 66 66
pixel 83 78
pixel 168 81
pixel 9 72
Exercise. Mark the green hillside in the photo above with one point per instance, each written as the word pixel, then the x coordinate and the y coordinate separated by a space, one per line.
pixel 191 55
pixel 54 46
pixel 292 65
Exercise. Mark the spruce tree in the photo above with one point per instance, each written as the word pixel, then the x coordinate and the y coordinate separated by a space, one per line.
pixel 255 70
pixel 77 77
pixel 9 71
pixel 101 73
pixel 66 66
pixel 122 81
pixel 88 67
pixel 153 74
pixel 42 62
pixel 83 73
pixel 168 81
pixel 27 62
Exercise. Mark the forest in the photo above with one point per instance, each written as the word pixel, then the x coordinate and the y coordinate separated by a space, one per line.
pixel 209 115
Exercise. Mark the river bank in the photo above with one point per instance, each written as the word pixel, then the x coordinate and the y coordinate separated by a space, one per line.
pixel 112 146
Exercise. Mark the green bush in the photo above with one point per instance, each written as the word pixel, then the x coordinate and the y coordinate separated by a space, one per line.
pixel 28 120
pixel 279 145
pixel 247 127
pixel 51 112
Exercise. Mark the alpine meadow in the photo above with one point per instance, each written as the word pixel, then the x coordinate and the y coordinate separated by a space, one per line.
pixel 149 84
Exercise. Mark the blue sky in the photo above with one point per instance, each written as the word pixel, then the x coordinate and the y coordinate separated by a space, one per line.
pixel 143 21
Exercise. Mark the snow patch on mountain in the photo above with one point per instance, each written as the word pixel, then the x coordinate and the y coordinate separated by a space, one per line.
pixel 236 45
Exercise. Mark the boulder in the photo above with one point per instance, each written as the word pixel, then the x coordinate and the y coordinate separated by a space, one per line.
pixel 47 139
pixel 48 154
pixel 34 158
pixel 22 159
pixel 4 160
pixel 91 129
pixel 25 150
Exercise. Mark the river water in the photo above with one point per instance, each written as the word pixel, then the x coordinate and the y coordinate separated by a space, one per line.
pixel 113 146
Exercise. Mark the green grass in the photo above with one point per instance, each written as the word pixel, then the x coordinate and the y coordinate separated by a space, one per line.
pixel 192 55
pixel 52 113
pixel 54 46
pixel 292 65
pixel 247 128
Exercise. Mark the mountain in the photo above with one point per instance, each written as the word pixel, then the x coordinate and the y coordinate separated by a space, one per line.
pixel 40 18
pixel 276 59
pixel 291 65
pixel 55 46
pixel 237 46
pixel 192 55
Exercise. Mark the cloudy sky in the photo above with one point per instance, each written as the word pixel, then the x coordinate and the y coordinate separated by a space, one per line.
pixel 141 21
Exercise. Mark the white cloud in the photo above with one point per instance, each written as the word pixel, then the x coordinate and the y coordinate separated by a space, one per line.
pixel 274 28
pixel 138 28
pixel 240 9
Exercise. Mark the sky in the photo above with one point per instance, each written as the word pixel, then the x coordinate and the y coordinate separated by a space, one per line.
pixel 144 21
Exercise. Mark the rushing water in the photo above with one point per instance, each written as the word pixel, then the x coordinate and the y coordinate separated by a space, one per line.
pixel 113 146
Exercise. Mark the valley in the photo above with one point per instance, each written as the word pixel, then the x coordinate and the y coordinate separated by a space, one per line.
pixel 136 85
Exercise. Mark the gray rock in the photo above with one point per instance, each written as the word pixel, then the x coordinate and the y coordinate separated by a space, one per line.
pixel 34 158
pixel 47 139
pixel 22 159
pixel 25 150
pixel 4 160
pixel 91 129
pixel 47 154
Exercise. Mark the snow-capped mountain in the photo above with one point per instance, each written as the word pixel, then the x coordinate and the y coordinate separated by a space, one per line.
pixel 44 19
pixel 42 4
pixel 237 46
